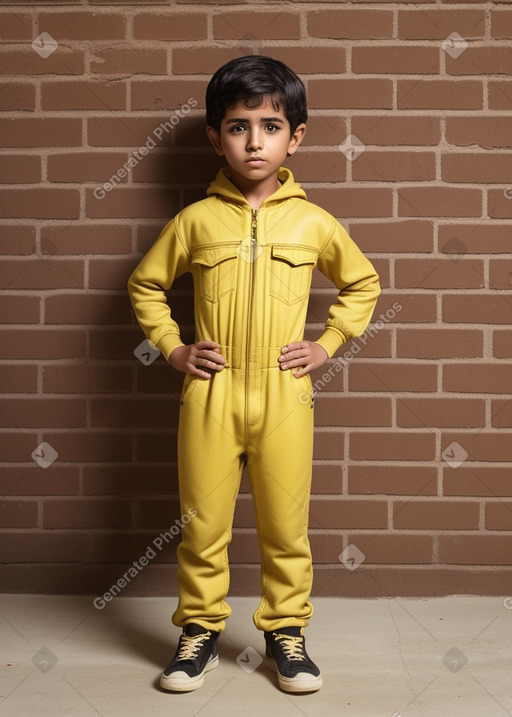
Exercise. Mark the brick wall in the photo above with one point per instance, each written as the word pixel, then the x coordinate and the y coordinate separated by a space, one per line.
pixel 409 144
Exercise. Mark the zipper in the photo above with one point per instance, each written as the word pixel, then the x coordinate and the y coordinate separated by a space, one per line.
pixel 254 242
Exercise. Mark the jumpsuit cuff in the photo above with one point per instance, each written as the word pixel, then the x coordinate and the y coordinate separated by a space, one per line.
pixel 331 340
pixel 168 343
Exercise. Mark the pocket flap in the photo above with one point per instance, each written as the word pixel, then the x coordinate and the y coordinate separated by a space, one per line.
pixel 213 255
pixel 294 255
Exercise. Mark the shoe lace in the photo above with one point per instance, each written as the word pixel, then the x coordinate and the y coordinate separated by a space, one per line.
pixel 293 647
pixel 189 646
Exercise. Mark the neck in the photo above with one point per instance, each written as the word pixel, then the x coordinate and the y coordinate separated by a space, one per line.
pixel 255 192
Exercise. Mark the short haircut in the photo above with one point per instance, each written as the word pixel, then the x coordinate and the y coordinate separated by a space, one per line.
pixel 251 78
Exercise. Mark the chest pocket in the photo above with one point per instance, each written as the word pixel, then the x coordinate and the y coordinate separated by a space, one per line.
pixel 291 268
pixel 214 268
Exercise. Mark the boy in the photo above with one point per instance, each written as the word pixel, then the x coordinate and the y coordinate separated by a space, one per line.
pixel 251 247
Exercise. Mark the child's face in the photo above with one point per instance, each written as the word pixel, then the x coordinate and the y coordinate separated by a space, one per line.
pixel 255 141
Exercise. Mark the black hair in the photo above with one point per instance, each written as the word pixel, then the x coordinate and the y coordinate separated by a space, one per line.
pixel 250 79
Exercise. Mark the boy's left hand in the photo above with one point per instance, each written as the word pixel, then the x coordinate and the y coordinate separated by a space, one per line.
pixel 303 356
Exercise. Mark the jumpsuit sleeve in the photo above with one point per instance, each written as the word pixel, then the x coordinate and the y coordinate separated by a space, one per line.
pixel 165 261
pixel 354 276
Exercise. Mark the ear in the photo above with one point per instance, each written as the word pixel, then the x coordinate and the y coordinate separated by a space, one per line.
pixel 296 138
pixel 214 138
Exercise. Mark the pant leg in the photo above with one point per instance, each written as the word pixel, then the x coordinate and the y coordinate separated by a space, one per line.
pixel 209 468
pixel 280 464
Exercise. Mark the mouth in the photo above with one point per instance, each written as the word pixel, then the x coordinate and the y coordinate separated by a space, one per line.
pixel 255 161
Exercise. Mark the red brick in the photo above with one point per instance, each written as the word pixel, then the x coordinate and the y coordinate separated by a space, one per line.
pixel 94 308
pixel 20 169
pixel 495 446
pixel 501 414
pixel 387 376
pixel 480 61
pixel 27 480
pixel 439 202
pixel 20 309
pixel 500 274
pixel 134 412
pixel 478 378
pixel 90 446
pixel 392 131
pixel 310 60
pixel 83 25
pixel 435 515
pixel 395 59
pixel 491 481
pixel 354 201
pixel 439 274
pixel 37 274
pixel 439 343
pixel 40 547
pixel 502 344
pixel 393 236
pixel 161 95
pixel 18 514
pixel 440 413
pixel 351 94
pixel 43 412
pixel 15 27
pixel 487 132
pixel 132 202
pixel 416 307
pixel 27 62
pixel 475 549
pixel 157 513
pixel 42 343
pixel 87 379
pixel 18 379
pixel 83 95
pixel 500 96
pixel 468 238
pixel 86 167
pixel 328 445
pixel 86 513
pixel 498 516
pixel 327 479
pixel 124 547
pixel 392 480
pixel 476 309
pixel 394 166
pixel 19 239
pixel 351 411
pixel 440 94
pixel 393 549
pixel 17 96
pixel 476 167
pixel 205 60
pixel 438 24
pixel 121 131
pixel 129 480
pixel 348 514
pixel 16 446
pixel 175 26
pixel 499 203
pixel 344 24
pixel 501 23
pixel 39 132
pixel 157 447
pixel 62 240
pixel 396 446
pixel 255 25
pixel 129 61
pixel 109 273
pixel 40 203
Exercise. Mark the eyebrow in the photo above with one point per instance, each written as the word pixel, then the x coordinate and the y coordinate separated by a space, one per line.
pixel 239 120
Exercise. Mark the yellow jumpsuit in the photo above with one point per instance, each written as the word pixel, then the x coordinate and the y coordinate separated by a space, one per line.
pixel 252 274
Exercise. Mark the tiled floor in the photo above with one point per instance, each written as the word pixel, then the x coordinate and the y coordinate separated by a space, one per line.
pixel 440 657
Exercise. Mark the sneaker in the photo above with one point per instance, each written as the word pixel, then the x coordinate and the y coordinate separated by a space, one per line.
pixel 286 654
pixel 195 655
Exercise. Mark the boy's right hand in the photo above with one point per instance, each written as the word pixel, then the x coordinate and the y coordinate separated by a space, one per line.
pixel 200 359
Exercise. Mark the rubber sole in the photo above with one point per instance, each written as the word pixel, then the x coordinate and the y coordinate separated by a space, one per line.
pixel 304 682
pixel 181 682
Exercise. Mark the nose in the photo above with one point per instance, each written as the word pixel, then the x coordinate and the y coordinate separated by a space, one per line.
pixel 255 139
